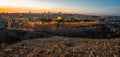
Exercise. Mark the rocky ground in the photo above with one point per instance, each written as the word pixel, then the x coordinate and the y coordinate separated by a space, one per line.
pixel 63 47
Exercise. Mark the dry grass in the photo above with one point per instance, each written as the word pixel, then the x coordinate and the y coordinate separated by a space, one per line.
pixel 59 47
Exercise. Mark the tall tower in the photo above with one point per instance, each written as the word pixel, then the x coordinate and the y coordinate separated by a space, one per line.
pixel 29 14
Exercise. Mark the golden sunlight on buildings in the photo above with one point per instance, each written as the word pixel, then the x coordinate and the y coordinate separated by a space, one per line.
pixel 79 23
pixel 59 18
pixel 71 23
pixel 32 24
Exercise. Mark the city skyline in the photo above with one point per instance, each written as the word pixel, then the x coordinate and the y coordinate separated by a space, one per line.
pixel 93 7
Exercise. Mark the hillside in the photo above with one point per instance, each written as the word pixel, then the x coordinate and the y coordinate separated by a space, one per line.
pixel 63 47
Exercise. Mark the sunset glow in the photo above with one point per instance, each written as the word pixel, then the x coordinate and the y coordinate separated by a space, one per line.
pixel 72 6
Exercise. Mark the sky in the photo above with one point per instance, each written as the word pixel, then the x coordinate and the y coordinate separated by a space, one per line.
pixel 93 7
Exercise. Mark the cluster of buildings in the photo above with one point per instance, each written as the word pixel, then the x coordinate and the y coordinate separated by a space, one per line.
pixel 37 20
pixel 32 20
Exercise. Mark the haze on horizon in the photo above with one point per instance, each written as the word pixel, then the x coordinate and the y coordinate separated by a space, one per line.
pixel 93 7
